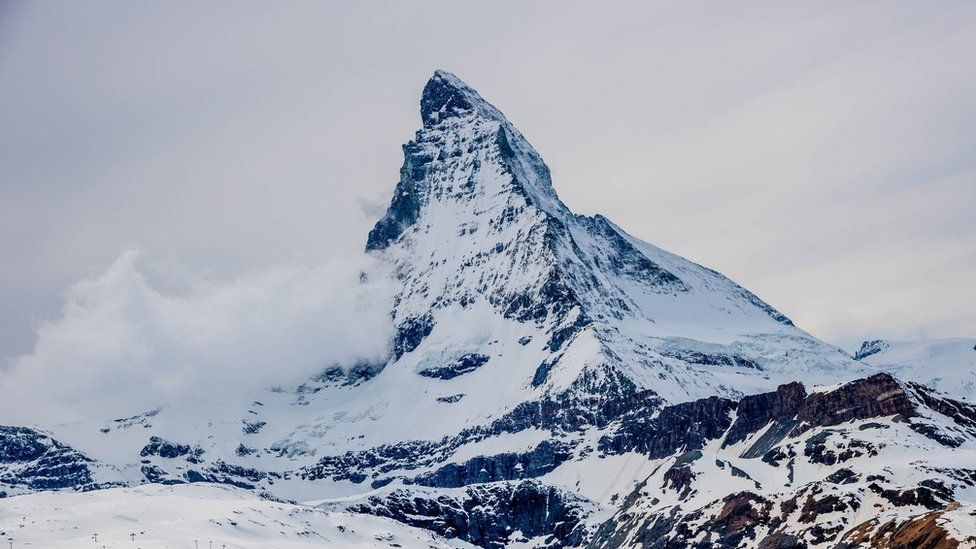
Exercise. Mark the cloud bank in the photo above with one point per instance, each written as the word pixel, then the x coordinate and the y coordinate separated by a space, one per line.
pixel 140 335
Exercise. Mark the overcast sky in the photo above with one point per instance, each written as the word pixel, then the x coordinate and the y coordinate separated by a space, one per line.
pixel 822 155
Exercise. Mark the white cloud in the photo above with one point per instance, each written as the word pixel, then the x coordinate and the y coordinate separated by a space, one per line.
pixel 135 337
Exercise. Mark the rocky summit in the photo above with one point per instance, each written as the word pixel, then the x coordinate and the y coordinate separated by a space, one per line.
pixel 553 382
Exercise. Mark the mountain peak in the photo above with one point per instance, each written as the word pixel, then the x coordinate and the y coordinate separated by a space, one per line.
pixel 445 95
pixel 464 139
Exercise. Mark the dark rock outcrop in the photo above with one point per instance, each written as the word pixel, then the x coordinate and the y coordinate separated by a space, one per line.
pixel 463 365
pixel 680 476
pixel 788 416
pixel 410 333
pixel 442 98
pixel 170 450
pixel 840 450
pixel 756 411
pixel 354 375
pixel 562 417
pixel 711 359
pixel 963 414
pixel 227 473
pixel 489 515
pixel 682 427
pixel 877 396
pixel 869 348
pixel 921 531
pixel 35 461
pixel 508 466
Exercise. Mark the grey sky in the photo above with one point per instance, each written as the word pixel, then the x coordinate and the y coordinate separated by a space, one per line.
pixel 822 155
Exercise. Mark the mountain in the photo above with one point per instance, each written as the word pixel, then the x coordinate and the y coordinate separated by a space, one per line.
pixel 552 381
pixel 948 365
pixel 479 239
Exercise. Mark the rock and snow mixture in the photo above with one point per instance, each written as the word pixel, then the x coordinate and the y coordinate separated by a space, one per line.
pixel 552 381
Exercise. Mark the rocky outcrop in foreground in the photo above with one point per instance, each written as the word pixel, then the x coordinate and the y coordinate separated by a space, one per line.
pixel 799 470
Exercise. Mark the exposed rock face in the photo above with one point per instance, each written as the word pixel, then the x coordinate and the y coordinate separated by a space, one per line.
pixel 819 448
pixel 685 426
pixel 963 414
pixel 739 516
pixel 170 450
pixel 827 432
pixel 680 476
pixel 756 411
pixel 770 424
pixel 225 473
pixel 560 417
pixel 765 421
pixel 463 365
pixel 877 396
pixel 166 462
pixel 869 348
pixel 32 460
pixel 492 515
pixel 410 333
pixel 922 531
pixel 508 466
pixel 711 359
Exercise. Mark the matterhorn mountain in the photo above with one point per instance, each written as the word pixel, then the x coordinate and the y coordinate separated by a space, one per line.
pixel 477 235
pixel 552 382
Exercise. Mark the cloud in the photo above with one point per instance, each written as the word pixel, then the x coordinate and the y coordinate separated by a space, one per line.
pixel 140 335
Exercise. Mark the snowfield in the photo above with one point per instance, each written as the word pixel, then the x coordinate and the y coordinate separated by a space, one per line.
pixel 948 365
pixel 190 516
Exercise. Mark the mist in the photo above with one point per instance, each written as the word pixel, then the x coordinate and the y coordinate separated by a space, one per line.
pixel 143 334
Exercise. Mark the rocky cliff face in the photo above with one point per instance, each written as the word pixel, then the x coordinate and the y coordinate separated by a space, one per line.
pixel 492 515
pixel 31 460
pixel 799 470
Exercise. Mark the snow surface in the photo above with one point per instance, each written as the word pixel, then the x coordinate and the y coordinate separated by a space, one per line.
pixel 191 516
pixel 947 365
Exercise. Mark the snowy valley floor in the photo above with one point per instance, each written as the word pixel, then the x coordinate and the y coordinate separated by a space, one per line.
pixel 190 516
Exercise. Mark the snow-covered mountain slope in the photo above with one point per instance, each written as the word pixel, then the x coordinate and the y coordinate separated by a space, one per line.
pixel 478 238
pixel 948 365
pixel 204 516
pixel 859 463
pixel 864 462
